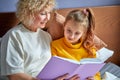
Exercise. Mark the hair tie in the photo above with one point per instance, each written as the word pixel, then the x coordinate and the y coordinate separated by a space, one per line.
pixel 85 12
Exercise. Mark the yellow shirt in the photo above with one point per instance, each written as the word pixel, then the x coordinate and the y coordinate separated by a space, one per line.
pixel 64 49
pixel 76 52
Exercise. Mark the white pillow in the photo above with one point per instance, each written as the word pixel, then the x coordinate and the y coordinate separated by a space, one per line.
pixel 103 54
pixel 0 56
pixel 0 41
pixel 117 78
pixel 110 76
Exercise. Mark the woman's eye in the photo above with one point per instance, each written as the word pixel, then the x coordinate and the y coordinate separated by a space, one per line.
pixel 42 13
pixel 49 12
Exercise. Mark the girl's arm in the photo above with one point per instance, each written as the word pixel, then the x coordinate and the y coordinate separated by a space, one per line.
pixel 21 76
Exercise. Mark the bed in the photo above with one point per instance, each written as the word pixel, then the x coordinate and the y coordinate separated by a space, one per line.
pixel 107 29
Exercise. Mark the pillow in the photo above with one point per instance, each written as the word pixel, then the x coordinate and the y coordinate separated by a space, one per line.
pixel 55 28
pixel 99 43
pixel 0 57
pixel 111 68
pixel 110 76
pixel 2 77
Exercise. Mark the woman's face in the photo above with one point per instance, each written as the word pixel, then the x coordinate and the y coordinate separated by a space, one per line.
pixel 73 32
pixel 42 17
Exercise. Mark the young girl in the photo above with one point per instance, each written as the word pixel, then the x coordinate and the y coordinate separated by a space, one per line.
pixel 77 42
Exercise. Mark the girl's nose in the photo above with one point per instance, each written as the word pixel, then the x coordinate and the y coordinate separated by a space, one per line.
pixel 72 36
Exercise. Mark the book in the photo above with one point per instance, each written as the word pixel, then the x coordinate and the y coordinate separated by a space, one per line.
pixel 104 53
pixel 58 66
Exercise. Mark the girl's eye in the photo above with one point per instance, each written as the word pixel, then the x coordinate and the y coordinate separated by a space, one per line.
pixel 69 31
pixel 77 33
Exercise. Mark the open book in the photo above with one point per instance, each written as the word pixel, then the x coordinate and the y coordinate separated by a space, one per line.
pixel 103 54
pixel 58 66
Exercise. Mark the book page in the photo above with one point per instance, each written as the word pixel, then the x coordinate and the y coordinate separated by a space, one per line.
pixel 86 70
pixel 57 67
pixel 104 53
pixel 70 60
pixel 90 60
pixel 82 61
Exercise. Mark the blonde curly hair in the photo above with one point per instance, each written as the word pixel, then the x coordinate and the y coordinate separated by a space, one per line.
pixel 27 8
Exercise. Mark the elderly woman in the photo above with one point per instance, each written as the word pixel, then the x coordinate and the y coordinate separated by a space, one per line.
pixel 25 49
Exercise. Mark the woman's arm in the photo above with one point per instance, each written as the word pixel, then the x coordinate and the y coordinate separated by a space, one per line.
pixel 21 76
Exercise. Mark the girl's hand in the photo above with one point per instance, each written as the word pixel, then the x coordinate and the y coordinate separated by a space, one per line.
pixel 90 78
pixel 62 77
pixel 75 77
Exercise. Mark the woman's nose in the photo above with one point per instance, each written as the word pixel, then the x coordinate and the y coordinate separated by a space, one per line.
pixel 47 16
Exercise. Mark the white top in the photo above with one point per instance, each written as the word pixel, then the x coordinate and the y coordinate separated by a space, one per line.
pixel 24 51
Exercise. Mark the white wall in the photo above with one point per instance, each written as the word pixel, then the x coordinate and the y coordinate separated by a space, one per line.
pixel 10 5
pixel 85 3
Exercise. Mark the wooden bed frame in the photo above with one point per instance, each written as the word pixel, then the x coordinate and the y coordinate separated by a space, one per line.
pixel 107 26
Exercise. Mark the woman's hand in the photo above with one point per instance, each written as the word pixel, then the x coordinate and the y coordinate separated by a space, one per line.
pixel 90 78
pixel 75 77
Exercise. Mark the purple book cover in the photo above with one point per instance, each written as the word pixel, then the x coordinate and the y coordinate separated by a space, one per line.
pixel 57 67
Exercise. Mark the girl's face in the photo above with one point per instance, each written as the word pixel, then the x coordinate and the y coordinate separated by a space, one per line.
pixel 73 32
pixel 42 17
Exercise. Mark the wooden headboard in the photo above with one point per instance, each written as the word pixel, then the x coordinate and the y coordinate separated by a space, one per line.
pixel 107 26
pixel 7 21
